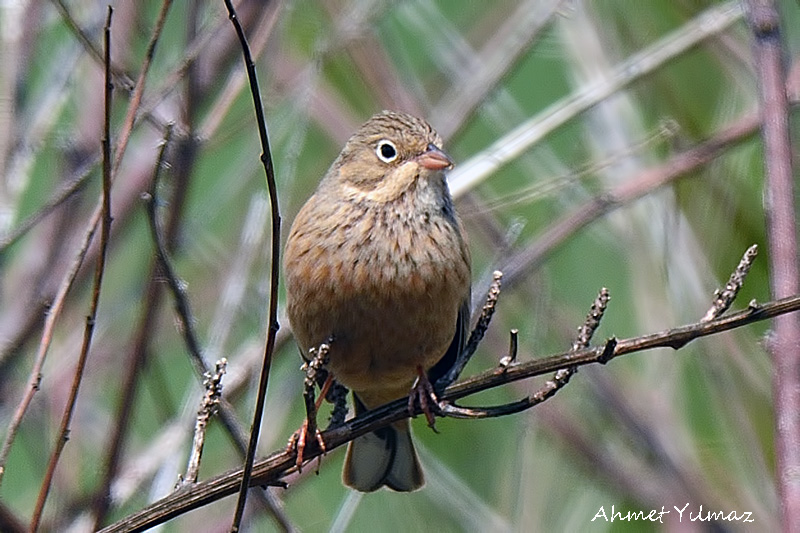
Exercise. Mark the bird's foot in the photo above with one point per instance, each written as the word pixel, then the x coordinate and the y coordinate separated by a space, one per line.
pixel 423 392
pixel 300 439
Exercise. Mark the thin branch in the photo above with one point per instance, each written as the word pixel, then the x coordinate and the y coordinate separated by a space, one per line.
pixel 764 21
pixel 227 413
pixel 105 232
pixel 681 164
pixel 316 374
pixel 47 337
pixel 269 348
pixel 208 408
pixel 711 22
pixel 120 77
pixel 553 385
pixel 513 348
pixel 102 499
pixel 279 464
pixel 492 64
pixel 723 298
pixel 477 333
pixel 136 97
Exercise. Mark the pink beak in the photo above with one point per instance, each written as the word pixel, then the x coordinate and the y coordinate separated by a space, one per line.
pixel 434 158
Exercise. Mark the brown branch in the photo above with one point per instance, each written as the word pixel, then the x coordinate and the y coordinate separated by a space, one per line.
pixel 723 298
pixel 279 464
pixel 65 193
pixel 120 77
pixel 764 21
pixel 138 92
pixel 553 385
pixel 102 499
pixel 208 408
pixel 105 232
pixel 227 413
pixel 679 165
pixel 269 348
pixel 477 333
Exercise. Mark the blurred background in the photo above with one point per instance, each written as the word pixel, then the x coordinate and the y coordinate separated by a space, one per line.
pixel 566 119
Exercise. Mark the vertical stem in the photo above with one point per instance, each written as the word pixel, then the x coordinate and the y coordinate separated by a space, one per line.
pixel 782 239
pixel 105 232
pixel 272 329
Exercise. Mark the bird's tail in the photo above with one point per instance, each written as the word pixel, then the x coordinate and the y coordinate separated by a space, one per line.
pixel 384 457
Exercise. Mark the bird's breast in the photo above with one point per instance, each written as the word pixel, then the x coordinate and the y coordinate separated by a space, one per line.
pixel 386 282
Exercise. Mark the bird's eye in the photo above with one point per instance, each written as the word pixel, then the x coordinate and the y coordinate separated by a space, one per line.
pixel 386 151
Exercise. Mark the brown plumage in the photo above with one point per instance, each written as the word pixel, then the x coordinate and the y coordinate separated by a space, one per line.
pixel 377 259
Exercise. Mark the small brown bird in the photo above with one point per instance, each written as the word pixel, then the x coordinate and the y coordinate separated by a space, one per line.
pixel 377 261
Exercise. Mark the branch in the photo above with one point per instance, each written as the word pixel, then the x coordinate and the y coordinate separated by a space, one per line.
pixel 279 464
pixel 707 24
pixel 552 386
pixel 105 232
pixel 227 413
pixel 723 298
pixel 477 333
pixel 269 348
pixel 208 408
pixel 781 225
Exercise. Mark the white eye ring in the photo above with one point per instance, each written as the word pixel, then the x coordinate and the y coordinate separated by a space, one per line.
pixel 386 151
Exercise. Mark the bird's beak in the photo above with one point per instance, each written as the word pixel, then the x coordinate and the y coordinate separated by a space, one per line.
pixel 434 158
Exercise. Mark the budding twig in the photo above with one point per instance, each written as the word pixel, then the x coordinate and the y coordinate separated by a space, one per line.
pixel 477 333
pixel 208 408
pixel 559 380
pixel 511 357
pixel 723 298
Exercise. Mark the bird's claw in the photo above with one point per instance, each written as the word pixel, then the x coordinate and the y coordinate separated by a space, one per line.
pixel 423 392
pixel 299 440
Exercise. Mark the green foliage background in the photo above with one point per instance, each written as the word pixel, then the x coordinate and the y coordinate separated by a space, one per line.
pixel 654 429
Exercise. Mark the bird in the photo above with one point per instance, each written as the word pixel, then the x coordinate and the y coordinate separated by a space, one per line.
pixel 377 262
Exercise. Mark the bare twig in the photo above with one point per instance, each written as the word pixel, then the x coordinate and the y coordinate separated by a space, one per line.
pixel 208 408
pixel 681 164
pixel 186 320
pixel 120 77
pixel 316 374
pixel 136 98
pixel 113 449
pixel 492 64
pixel 714 20
pixel 278 464
pixel 269 348
pixel 584 337
pixel 723 298
pixel 553 385
pixel 105 232
pixel 47 337
pixel 592 322
pixel 513 346
pixel 477 333
pixel 764 18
